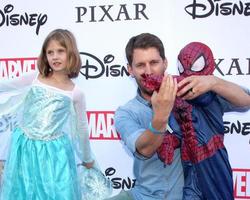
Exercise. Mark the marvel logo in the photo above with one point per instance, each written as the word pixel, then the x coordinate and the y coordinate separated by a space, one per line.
pixel 101 125
pixel 241 179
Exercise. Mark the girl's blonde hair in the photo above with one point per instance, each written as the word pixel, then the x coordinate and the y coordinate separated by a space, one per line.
pixel 68 41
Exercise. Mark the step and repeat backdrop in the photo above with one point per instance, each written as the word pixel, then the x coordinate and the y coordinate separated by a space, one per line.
pixel 102 29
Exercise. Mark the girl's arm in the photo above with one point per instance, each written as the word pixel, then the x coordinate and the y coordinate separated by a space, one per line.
pixel 84 150
pixel 17 83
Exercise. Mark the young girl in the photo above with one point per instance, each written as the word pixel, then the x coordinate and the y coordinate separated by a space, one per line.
pixel 52 129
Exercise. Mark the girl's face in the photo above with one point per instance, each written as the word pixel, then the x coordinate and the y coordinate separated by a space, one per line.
pixel 56 56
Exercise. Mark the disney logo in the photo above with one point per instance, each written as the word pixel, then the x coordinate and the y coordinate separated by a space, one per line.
pixel 238 127
pixel 15 19
pixel 202 10
pixel 93 67
pixel 117 182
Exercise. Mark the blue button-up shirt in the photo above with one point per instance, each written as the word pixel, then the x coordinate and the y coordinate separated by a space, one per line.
pixel 154 180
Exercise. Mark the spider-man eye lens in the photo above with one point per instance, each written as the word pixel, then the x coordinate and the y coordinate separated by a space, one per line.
pixel 180 67
pixel 199 64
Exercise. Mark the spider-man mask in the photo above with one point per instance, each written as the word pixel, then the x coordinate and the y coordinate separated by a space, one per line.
pixel 196 59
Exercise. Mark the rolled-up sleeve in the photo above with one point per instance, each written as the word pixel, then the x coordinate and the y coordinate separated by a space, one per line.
pixel 127 126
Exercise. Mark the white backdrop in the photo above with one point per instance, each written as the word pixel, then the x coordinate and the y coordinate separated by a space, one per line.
pixel 102 29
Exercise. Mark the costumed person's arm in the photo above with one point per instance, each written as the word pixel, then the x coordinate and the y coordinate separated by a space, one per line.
pixel 82 134
pixel 201 84
pixel 162 104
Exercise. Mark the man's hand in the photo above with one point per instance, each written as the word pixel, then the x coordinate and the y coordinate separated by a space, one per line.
pixel 163 101
pixel 162 104
pixel 194 86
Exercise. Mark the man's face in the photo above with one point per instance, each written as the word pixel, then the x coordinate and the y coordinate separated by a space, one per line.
pixel 146 61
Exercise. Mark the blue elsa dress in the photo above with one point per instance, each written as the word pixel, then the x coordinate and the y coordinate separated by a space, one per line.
pixel 41 164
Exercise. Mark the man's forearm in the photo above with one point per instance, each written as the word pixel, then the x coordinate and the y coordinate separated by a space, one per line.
pixel 230 91
pixel 148 143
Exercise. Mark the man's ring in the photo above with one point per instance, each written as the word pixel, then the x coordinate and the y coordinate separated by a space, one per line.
pixel 191 90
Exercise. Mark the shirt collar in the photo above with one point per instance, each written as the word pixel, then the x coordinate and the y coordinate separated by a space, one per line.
pixel 142 100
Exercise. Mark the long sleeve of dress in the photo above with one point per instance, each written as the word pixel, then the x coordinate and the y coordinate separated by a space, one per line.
pixel 12 92
pixel 94 185
pixel 18 83
pixel 83 149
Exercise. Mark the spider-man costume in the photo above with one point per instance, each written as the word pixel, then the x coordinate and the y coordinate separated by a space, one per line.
pixel 207 170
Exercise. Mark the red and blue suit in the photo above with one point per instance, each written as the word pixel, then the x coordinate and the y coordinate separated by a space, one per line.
pixel 207 171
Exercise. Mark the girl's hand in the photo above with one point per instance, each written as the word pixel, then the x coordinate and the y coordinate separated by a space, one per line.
pixel 88 165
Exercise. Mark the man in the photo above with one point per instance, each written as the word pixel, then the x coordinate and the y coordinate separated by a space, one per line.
pixel 142 121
